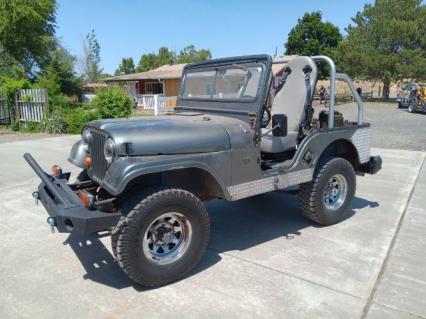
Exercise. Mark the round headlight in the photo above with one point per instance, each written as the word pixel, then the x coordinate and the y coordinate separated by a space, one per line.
pixel 86 135
pixel 109 150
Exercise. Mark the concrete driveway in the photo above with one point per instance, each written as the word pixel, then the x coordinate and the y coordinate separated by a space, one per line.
pixel 263 260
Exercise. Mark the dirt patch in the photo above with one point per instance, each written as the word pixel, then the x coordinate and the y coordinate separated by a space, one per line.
pixel 7 135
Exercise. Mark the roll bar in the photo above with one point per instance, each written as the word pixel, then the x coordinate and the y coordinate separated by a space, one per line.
pixel 348 80
pixel 333 77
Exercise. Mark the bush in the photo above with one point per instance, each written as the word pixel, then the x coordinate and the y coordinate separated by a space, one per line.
pixel 77 117
pixel 9 87
pixel 112 102
pixel 15 126
pixel 29 127
pixel 53 123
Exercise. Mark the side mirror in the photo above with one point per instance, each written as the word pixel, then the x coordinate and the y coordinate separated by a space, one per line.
pixel 279 124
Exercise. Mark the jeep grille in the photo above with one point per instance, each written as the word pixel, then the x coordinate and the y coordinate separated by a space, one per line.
pixel 99 164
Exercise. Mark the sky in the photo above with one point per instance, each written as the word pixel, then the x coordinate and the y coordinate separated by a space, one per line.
pixel 130 28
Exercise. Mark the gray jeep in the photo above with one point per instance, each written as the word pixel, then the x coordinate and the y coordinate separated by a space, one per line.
pixel 232 135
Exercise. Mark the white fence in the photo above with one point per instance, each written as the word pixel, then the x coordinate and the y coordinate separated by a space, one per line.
pixel 31 105
pixel 146 101
pixel 156 102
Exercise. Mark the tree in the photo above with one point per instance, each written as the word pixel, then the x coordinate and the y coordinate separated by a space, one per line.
pixel 151 60
pixel 312 36
pixel 165 56
pixel 60 66
pixel 126 66
pixel 189 55
pixel 386 42
pixel 91 59
pixel 27 29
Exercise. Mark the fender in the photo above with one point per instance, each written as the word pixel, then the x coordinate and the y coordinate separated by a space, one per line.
pixel 125 169
pixel 358 136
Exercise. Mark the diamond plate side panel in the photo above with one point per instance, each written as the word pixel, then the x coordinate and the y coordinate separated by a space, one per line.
pixel 362 141
pixel 296 178
pixel 252 188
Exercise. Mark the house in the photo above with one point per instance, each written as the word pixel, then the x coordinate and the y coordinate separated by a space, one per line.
pixel 89 90
pixel 161 85
pixel 146 87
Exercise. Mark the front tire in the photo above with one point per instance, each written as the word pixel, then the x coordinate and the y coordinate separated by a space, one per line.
pixel 327 198
pixel 162 237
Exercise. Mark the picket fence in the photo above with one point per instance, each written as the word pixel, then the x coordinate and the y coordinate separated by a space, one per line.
pixel 32 105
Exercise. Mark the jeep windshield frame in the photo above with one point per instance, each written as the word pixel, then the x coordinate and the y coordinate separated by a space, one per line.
pixel 229 103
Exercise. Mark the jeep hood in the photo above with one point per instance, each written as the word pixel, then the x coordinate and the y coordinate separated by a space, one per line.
pixel 169 134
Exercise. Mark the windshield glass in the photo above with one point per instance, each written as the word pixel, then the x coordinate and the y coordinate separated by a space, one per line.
pixel 233 83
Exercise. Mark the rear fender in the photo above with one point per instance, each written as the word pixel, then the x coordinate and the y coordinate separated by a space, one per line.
pixel 350 142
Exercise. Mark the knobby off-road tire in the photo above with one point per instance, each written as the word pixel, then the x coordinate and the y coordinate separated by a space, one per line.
pixel 315 201
pixel 162 236
pixel 412 107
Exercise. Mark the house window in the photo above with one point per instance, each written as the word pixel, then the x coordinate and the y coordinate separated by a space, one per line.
pixel 153 88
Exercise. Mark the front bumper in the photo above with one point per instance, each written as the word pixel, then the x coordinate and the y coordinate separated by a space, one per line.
pixel 403 101
pixel 65 207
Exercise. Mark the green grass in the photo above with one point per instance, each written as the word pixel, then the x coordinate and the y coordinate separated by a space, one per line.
pixel 139 114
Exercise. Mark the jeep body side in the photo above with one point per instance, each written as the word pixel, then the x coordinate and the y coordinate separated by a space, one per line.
pixel 231 135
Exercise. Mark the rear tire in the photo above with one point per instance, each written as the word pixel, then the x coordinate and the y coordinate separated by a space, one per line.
pixel 327 198
pixel 162 236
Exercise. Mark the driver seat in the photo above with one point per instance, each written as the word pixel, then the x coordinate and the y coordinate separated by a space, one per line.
pixel 291 101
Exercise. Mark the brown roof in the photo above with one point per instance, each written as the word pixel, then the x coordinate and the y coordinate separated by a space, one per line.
pixel 174 71
pixel 94 85
pixel 168 71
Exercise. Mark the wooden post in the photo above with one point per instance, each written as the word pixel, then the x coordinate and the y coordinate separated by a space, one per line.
pixel 17 112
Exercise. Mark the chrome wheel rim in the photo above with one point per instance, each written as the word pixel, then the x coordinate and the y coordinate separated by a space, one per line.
pixel 335 192
pixel 167 238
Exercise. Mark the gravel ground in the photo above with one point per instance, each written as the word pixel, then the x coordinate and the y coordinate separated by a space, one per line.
pixel 7 135
pixel 392 127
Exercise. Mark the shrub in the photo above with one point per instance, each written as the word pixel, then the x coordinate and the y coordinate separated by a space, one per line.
pixel 29 127
pixel 10 86
pixel 53 123
pixel 112 102
pixel 60 101
pixel 15 126
pixel 77 117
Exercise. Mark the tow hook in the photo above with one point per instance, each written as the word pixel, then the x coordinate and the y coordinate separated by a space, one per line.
pixel 36 197
pixel 52 222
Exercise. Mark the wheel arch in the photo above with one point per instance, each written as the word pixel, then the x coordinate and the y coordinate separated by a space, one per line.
pixel 342 148
pixel 196 180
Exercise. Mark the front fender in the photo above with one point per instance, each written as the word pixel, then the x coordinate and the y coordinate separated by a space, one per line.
pixel 78 152
pixel 124 170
